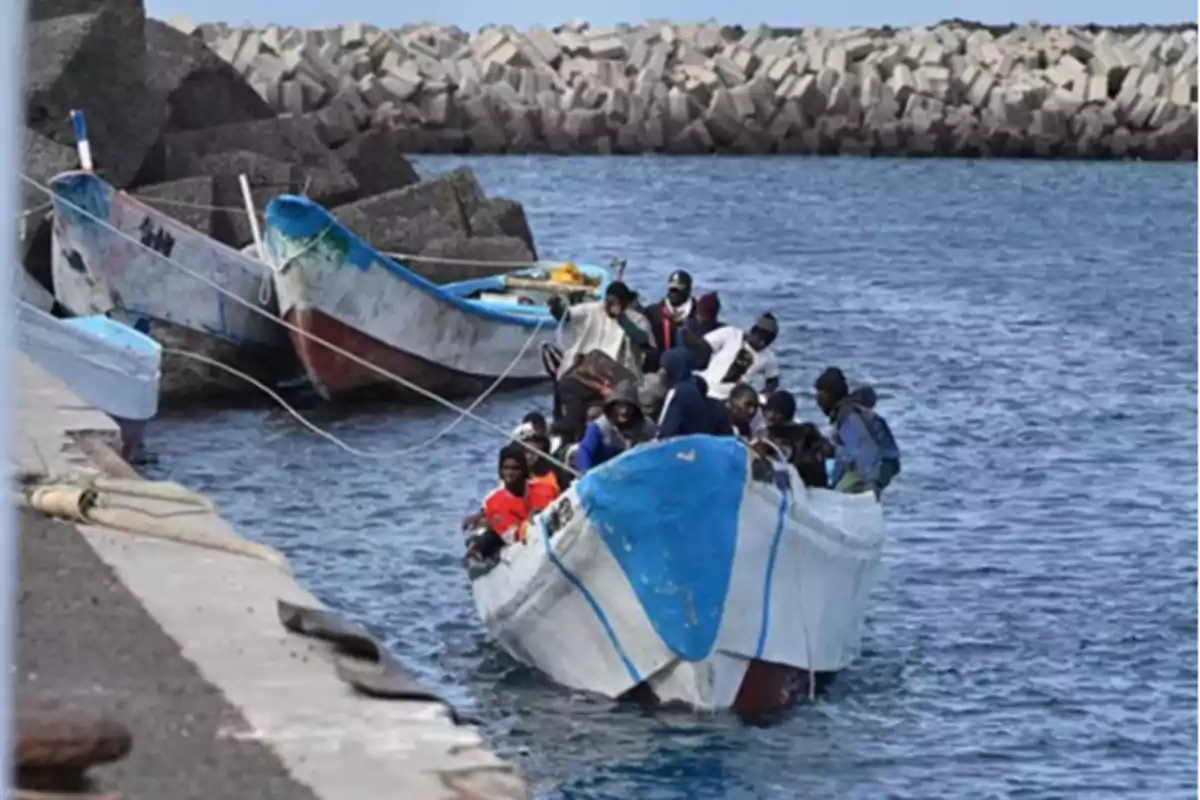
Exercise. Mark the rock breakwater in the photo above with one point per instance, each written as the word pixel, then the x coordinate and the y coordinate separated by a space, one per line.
pixel 958 88
pixel 173 123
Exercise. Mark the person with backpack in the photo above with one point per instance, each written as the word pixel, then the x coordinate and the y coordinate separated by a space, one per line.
pixel 866 454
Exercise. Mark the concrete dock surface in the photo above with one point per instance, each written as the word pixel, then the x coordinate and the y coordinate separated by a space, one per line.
pixel 85 641
pixel 185 646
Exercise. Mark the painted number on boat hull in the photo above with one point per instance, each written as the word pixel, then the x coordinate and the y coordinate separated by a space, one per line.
pixel 154 237
pixel 559 516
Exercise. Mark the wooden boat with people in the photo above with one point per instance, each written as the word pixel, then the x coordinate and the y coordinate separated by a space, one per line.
pixel 687 571
pixel 453 339
pixel 114 254
pixel 108 364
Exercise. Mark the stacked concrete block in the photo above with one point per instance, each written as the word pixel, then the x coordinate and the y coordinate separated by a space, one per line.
pixel 177 112
pixel 951 89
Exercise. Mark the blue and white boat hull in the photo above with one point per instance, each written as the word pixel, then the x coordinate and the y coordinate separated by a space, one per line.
pixel 115 254
pixel 107 364
pixel 673 573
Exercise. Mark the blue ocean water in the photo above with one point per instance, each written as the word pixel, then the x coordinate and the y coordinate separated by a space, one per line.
pixel 1031 331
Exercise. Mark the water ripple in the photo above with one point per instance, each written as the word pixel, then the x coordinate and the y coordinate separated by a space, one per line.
pixel 1032 333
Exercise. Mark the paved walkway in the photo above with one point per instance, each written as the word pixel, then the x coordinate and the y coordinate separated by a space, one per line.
pixel 281 713
pixel 87 643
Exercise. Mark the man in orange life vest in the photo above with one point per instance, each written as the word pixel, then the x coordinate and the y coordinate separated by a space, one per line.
pixel 509 507
pixel 669 317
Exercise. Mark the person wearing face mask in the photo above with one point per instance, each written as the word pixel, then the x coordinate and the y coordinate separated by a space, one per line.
pixel 670 316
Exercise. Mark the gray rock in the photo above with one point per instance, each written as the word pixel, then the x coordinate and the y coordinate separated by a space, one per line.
pixel 192 201
pixel 48 9
pixel 375 158
pixel 94 62
pixel 471 196
pixel 227 221
pixel 405 220
pixel 704 87
pixel 43 159
pixel 503 217
pixel 505 251
pixel 287 140
pixel 267 179
pixel 202 90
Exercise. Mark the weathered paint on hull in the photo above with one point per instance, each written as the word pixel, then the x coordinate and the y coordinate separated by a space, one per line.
pixel 126 255
pixel 766 584
pixel 767 689
pixel 336 376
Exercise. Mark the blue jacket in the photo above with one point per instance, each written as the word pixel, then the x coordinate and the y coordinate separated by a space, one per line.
pixel 864 441
pixel 690 409
pixel 603 442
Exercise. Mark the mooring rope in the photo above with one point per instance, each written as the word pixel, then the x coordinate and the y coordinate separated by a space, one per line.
pixel 255 308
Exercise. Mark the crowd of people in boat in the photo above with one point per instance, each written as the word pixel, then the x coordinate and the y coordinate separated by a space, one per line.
pixel 631 375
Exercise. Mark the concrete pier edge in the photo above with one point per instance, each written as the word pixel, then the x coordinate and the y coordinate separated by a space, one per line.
pixel 220 608
pixel 956 88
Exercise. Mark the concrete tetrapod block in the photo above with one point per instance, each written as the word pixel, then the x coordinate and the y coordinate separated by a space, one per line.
pixel 503 251
pixel 201 90
pixel 293 141
pixel 425 75
pixel 375 159
pixel 95 62
pixel 192 201
pixel 42 160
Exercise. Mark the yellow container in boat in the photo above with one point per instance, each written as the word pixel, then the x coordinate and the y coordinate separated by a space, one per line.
pixel 568 273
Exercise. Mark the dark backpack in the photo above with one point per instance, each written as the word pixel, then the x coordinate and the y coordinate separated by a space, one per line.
pixel 862 402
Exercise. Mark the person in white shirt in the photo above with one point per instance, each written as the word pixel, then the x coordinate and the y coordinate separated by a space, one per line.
pixel 742 357
pixel 613 327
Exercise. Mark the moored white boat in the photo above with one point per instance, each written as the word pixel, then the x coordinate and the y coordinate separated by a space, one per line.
pixel 107 364
pixel 97 270
pixel 453 339
pixel 680 572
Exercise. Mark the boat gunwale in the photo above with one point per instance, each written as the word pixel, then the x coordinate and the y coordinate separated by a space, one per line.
pixel 397 269
pixel 134 200
pixel 803 523
pixel 253 266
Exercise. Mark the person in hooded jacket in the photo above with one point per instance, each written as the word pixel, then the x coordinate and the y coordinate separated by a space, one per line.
pixel 800 443
pixel 622 426
pixel 614 327
pixel 866 454
pixel 706 318
pixel 687 408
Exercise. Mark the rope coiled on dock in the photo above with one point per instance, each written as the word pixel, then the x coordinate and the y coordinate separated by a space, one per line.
pixel 91 499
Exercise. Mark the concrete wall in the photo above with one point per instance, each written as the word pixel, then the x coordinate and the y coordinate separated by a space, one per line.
pixel 955 89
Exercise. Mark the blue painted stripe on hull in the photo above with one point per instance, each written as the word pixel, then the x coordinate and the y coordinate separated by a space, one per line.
pixel 300 218
pixel 769 578
pixel 630 668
